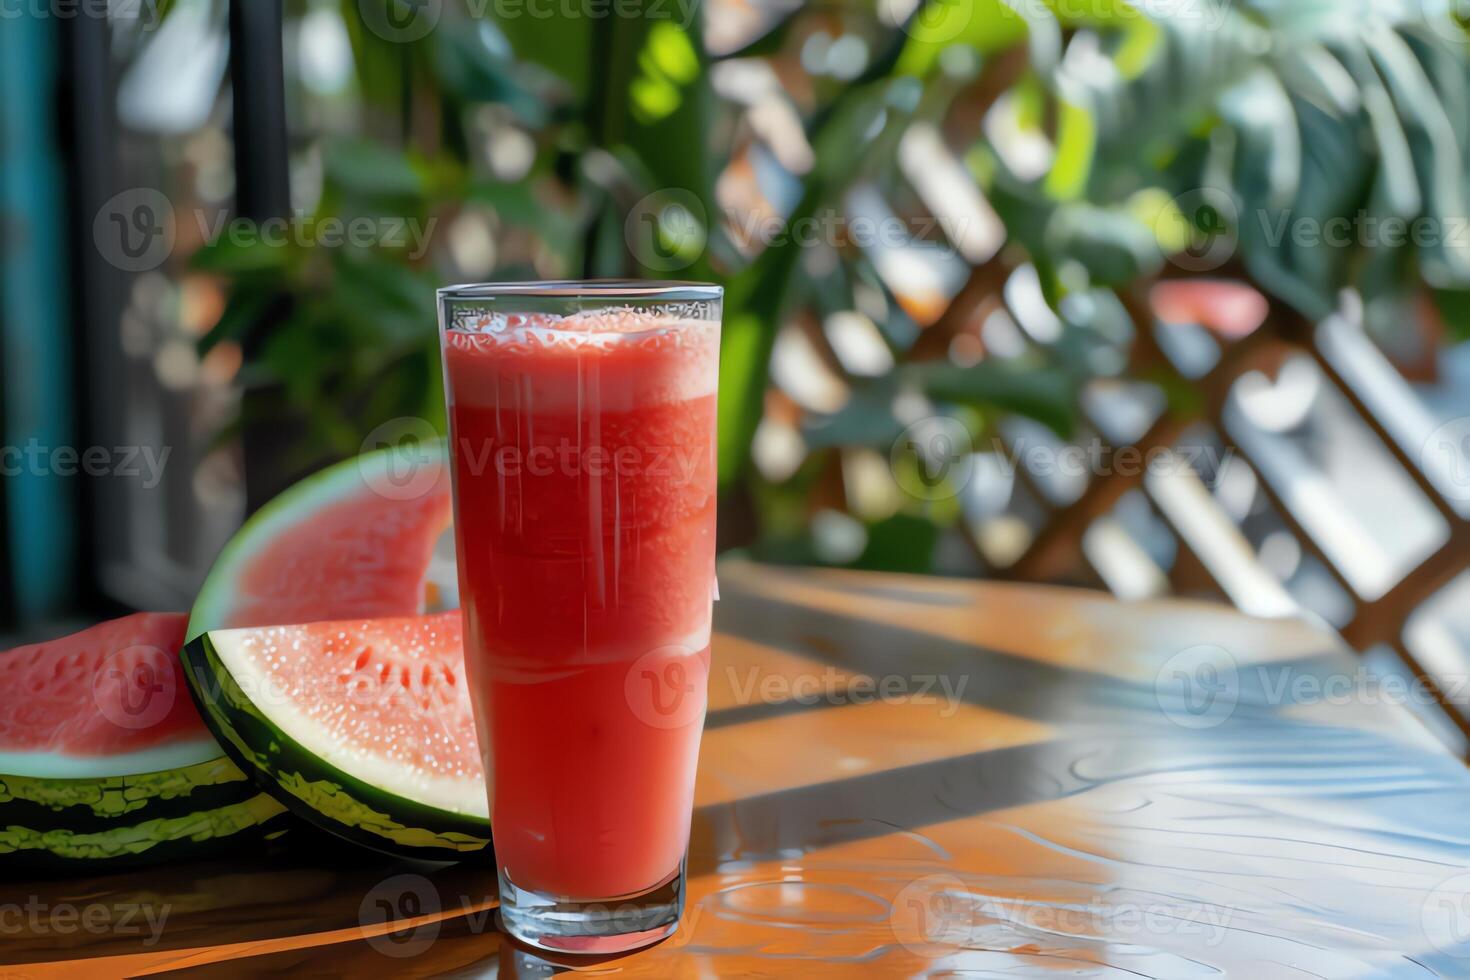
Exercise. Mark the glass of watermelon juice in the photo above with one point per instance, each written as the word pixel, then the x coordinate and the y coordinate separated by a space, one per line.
pixel 582 426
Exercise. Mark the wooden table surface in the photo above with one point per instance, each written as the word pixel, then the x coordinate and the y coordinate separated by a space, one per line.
pixel 905 776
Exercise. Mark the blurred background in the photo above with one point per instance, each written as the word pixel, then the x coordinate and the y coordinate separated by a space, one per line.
pixel 1152 296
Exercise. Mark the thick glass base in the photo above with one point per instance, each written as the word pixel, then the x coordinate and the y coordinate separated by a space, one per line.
pixel 592 926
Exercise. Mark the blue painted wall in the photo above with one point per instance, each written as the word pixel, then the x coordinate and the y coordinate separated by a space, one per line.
pixel 35 299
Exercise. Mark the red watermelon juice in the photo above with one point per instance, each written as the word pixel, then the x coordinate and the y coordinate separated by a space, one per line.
pixel 583 447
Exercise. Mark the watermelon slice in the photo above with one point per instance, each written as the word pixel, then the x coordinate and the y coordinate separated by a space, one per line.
pixel 103 757
pixel 364 727
pixel 355 541
pixel 359 542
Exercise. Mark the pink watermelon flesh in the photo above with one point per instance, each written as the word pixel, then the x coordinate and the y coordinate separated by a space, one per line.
pixel 391 692
pixel 362 558
pixel 114 688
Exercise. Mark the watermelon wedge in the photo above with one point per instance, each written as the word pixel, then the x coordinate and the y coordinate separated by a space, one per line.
pixel 355 541
pixel 362 541
pixel 363 727
pixel 103 758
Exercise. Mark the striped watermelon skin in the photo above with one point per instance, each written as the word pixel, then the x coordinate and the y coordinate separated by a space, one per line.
pixel 90 805
pixel 124 845
pixel 349 806
pixel 93 723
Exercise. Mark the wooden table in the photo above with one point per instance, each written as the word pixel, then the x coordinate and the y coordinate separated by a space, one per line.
pixel 906 776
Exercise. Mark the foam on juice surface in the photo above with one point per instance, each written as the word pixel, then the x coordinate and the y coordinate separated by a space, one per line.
pixel 615 359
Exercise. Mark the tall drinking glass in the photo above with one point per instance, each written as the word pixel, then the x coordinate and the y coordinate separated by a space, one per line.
pixel 582 422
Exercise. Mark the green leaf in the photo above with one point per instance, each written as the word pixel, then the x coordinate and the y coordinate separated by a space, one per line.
pixel 901 543
pixel 296 355
pixel 1454 306
pixel 561 42
pixel 472 66
pixel 1042 393
pixel 248 302
pixel 866 420
pixel 769 43
pixel 394 303
pixel 382 65
pixel 986 26
pixel 1076 143
pixel 371 170
pixel 240 252
pixel 743 347
pixel 1111 244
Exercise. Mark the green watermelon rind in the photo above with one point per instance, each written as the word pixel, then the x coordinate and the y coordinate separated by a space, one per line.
pixel 314 789
pixel 87 804
pixel 314 492
pixel 147 842
pixel 94 823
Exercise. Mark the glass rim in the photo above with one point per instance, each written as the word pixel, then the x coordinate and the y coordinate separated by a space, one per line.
pixel 655 290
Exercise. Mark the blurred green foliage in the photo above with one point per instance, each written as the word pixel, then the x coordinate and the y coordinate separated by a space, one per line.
pixel 1309 109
